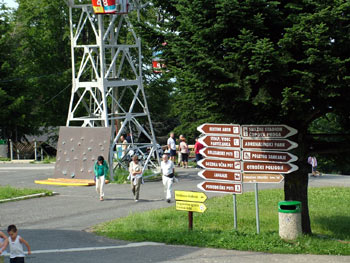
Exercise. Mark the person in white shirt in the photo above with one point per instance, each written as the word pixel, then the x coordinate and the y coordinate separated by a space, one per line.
pixel 172 146
pixel 16 245
pixel 179 155
pixel 124 145
pixel 184 152
pixel 135 170
pixel 168 174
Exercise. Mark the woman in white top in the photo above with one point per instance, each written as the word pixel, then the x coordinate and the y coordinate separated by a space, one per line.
pixel 184 152
pixel 135 170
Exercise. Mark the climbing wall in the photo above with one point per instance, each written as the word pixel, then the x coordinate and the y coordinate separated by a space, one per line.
pixel 78 149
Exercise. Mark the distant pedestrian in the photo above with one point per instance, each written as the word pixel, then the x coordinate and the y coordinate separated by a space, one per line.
pixel 124 145
pixel 15 242
pixel 197 147
pixel 129 137
pixel 172 147
pixel 168 175
pixel 3 238
pixel 313 162
pixel 135 170
pixel 101 171
pixel 179 155
pixel 184 152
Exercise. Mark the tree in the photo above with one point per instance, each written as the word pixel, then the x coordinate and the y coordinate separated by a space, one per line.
pixel 259 61
pixel 37 67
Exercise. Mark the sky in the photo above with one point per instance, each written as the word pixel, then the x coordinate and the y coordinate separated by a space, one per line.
pixel 11 3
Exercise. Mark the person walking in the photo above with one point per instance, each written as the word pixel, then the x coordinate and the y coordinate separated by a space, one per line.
pixel 313 162
pixel 172 147
pixel 101 171
pixel 184 152
pixel 179 154
pixel 197 147
pixel 168 174
pixel 124 145
pixel 15 242
pixel 135 170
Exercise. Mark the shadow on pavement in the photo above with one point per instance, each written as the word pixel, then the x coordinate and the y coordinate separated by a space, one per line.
pixel 53 246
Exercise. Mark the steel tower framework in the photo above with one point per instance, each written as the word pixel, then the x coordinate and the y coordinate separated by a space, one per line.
pixel 107 83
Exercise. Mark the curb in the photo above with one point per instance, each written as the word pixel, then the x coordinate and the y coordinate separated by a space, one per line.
pixel 27 197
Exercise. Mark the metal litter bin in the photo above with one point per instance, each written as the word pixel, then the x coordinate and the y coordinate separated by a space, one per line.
pixel 289 215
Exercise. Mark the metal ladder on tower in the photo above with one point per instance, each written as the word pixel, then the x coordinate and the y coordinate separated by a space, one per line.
pixel 107 81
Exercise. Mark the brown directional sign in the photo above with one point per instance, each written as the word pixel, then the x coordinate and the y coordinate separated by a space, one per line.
pixel 268 131
pixel 262 178
pixel 281 157
pixel 220 141
pixel 232 154
pixel 222 129
pixel 221 175
pixel 219 187
pixel 269 144
pixel 284 168
pixel 220 164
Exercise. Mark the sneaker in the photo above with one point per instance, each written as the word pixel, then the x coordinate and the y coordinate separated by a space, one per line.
pixel 168 200
pixel 136 200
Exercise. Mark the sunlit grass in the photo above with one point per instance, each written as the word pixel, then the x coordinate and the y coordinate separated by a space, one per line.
pixel 329 213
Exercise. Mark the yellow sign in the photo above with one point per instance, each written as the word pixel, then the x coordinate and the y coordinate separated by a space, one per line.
pixel 190 206
pixel 190 196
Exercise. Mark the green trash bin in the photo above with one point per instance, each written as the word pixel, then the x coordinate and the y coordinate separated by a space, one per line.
pixel 289 215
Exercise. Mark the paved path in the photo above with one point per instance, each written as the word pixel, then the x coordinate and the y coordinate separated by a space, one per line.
pixel 54 225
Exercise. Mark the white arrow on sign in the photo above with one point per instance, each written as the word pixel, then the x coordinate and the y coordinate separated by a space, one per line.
pixel 222 129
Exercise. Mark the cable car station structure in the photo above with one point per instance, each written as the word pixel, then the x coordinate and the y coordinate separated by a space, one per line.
pixel 107 82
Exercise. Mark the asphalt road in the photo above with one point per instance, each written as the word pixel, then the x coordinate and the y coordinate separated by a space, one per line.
pixel 57 227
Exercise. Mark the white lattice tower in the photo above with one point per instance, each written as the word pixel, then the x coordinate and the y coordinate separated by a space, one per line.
pixel 107 83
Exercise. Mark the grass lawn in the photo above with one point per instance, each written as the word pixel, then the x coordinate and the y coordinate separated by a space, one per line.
pixel 329 213
pixel 7 192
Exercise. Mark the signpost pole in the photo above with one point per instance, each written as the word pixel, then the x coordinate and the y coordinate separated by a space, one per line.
pixel 234 211
pixel 35 151
pixel 257 209
pixel 11 150
pixel 190 220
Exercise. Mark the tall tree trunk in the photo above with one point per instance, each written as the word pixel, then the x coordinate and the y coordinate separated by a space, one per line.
pixel 296 184
pixel 296 189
